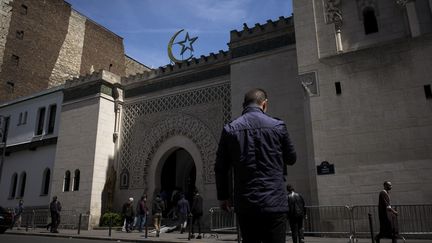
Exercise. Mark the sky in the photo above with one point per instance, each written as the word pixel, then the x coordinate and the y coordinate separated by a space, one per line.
pixel 148 25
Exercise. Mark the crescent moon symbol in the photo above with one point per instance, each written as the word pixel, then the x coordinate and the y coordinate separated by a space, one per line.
pixel 170 44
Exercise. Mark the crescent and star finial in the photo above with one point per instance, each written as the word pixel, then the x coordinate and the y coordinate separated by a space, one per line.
pixel 186 44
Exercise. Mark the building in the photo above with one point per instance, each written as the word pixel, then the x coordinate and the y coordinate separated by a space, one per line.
pixel 44 43
pixel 350 79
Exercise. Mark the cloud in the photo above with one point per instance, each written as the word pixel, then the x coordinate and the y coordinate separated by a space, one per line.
pixel 222 11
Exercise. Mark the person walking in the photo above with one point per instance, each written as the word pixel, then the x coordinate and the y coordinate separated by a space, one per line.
pixel 55 209
pixel 19 209
pixel 296 214
pixel 142 212
pixel 128 214
pixel 197 213
pixel 183 210
pixel 158 207
pixel 258 148
pixel 387 216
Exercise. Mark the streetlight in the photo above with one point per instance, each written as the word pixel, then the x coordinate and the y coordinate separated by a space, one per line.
pixel 4 120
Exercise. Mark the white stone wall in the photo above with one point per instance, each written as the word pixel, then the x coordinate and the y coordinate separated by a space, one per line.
pixel 379 127
pixel 33 163
pixel 276 72
pixel 5 17
pixel 68 61
pixel 24 133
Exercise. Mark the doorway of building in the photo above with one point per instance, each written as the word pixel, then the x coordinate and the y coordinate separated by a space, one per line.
pixel 178 177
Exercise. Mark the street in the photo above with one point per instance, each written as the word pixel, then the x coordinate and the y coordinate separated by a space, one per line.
pixel 5 238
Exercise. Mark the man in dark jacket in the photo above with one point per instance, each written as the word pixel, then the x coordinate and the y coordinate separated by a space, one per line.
pixel 55 208
pixel 296 214
pixel 128 214
pixel 142 212
pixel 183 210
pixel 387 216
pixel 158 207
pixel 258 148
pixel 197 213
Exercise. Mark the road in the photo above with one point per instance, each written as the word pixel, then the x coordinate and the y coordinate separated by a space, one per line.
pixel 5 238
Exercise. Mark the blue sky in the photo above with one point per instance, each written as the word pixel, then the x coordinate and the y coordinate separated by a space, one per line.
pixel 147 25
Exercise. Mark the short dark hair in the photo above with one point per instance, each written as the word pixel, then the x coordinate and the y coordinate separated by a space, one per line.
pixel 290 188
pixel 254 96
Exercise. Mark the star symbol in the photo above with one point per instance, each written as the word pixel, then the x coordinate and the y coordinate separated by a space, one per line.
pixel 187 43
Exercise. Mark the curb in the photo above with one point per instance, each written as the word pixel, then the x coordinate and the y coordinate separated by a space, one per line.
pixel 93 237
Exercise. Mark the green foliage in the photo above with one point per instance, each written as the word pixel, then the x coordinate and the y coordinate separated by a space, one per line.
pixel 117 219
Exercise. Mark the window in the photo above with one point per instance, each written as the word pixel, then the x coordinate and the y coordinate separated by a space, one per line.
pixel 51 119
pixel 15 60
pixel 76 180
pixel 23 179
pixel 66 183
pixel 19 34
pixel 24 118
pixel 428 91
pixel 13 186
pixel 370 21
pixel 338 88
pixel 20 119
pixel 46 181
pixel 40 121
pixel 124 179
pixel 4 128
pixel 24 9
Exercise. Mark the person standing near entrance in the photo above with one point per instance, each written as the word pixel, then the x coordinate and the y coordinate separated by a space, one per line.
pixel 142 212
pixel 258 148
pixel 158 207
pixel 183 211
pixel 128 214
pixel 55 209
pixel 387 216
pixel 197 213
pixel 296 214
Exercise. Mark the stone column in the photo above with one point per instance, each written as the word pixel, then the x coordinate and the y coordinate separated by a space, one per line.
pixel 413 19
pixel 87 141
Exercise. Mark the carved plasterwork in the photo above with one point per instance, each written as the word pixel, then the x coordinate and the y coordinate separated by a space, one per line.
pixel 309 83
pixel 402 3
pixel 333 13
pixel 198 114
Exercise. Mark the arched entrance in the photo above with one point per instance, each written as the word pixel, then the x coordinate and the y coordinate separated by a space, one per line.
pixel 178 174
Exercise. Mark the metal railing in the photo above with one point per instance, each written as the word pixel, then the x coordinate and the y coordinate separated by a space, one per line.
pixel 41 217
pixel 343 221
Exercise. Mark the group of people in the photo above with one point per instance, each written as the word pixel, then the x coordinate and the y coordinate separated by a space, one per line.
pixel 257 149
pixel 183 212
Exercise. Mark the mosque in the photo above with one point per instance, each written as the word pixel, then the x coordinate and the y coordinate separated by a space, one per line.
pixel 351 80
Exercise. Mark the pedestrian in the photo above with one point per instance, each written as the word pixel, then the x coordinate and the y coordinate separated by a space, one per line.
pixel 296 214
pixel 197 213
pixel 55 209
pixel 158 207
pixel 142 212
pixel 258 148
pixel 183 211
pixel 19 209
pixel 387 216
pixel 128 214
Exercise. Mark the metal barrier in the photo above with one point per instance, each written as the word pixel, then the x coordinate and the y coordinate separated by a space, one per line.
pixel 40 217
pixel 412 219
pixel 343 221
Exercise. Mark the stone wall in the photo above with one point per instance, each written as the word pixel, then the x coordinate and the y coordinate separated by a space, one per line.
pixel 377 128
pixel 133 67
pixel 48 42
pixel 5 17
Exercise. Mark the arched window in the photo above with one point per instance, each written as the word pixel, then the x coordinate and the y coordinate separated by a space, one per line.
pixel 23 179
pixel 13 186
pixel 46 181
pixel 66 183
pixel 124 179
pixel 76 180
pixel 370 21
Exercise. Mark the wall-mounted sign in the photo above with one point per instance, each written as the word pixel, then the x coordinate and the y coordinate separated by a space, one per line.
pixel 325 168
pixel 185 44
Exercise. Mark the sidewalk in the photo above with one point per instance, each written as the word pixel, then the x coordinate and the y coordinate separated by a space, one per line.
pixel 170 237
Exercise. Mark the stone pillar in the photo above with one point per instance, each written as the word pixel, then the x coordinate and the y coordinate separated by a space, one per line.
pixel 87 141
pixel 413 19
pixel 430 5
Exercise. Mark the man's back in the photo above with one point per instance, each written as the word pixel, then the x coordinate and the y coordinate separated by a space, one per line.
pixel 258 147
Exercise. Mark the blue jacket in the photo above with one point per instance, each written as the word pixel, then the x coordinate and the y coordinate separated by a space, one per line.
pixel 258 147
